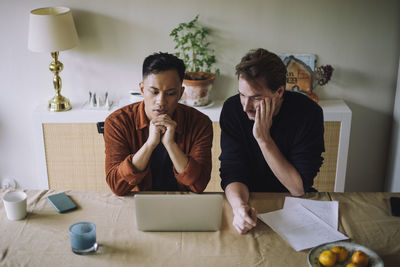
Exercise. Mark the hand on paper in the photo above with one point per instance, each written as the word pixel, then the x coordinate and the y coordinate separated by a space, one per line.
pixel 244 218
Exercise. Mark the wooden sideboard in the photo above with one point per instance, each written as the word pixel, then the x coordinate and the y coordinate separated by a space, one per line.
pixel 71 151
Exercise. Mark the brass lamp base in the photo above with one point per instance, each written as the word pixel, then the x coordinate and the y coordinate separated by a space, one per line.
pixel 59 103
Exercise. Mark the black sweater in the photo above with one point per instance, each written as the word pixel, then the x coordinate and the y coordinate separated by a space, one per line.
pixel 298 131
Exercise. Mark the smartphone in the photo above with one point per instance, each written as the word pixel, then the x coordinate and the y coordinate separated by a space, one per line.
pixel 395 206
pixel 61 202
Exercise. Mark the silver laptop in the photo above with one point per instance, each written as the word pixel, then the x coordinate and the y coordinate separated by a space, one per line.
pixel 183 212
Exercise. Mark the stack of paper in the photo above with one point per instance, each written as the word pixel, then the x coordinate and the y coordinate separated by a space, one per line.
pixel 305 223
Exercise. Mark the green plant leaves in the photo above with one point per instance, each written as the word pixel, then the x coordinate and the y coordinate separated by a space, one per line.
pixel 191 42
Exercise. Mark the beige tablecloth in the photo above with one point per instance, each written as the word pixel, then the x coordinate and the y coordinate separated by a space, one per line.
pixel 42 239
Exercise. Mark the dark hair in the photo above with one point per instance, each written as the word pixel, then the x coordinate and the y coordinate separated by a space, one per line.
pixel 260 63
pixel 159 62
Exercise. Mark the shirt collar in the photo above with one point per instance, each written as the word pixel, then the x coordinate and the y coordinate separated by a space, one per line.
pixel 142 121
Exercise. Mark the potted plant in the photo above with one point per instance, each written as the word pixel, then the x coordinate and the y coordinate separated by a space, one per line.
pixel 193 49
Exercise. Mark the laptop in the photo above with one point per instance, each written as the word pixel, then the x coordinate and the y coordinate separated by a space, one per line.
pixel 178 212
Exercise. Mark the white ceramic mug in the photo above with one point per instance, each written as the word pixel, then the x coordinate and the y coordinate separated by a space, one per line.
pixel 135 96
pixel 15 205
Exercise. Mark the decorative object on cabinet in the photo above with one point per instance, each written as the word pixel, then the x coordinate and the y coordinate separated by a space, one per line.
pixel 96 102
pixel 52 29
pixel 323 74
pixel 193 49
pixel 302 75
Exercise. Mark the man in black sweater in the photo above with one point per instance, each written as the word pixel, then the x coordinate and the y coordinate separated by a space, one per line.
pixel 271 139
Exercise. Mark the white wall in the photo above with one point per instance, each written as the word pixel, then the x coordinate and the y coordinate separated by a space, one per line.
pixel 360 39
pixel 393 176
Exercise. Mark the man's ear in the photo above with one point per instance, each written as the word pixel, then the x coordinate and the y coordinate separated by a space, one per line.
pixel 280 91
pixel 141 86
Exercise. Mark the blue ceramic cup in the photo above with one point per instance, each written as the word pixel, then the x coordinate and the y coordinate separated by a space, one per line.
pixel 83 238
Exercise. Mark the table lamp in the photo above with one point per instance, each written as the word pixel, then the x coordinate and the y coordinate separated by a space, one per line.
pixel 52 29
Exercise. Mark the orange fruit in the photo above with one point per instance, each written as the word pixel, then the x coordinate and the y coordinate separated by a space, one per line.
pixel 341 253
pixel 352 265
pixel 359 258
pixel 327 258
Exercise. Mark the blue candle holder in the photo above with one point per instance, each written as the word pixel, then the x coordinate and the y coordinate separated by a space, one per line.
pixel 83 238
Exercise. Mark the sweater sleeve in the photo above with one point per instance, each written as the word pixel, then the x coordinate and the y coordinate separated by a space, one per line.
pixel 305 155
pixel 121 175
pixel 233 162
pixel 196 174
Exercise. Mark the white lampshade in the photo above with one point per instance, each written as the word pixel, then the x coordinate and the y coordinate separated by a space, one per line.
pixel 51 29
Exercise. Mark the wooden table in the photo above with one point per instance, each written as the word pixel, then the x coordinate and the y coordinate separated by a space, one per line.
pixel 42 238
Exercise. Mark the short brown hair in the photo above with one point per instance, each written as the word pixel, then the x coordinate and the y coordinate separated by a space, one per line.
pixel 260 63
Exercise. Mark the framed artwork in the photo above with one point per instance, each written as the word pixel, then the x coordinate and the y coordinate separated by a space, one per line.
pixel 300 73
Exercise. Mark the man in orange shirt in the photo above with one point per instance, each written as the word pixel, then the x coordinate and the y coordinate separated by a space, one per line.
pixel 158 144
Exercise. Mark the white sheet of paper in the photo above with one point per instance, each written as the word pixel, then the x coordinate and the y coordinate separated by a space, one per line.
pixel 328 211
pixel 300 227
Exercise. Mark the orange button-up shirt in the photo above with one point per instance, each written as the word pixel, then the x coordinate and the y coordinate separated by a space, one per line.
pixel 127 129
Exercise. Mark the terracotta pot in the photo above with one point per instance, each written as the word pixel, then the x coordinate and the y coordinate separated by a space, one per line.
pixel 197 92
